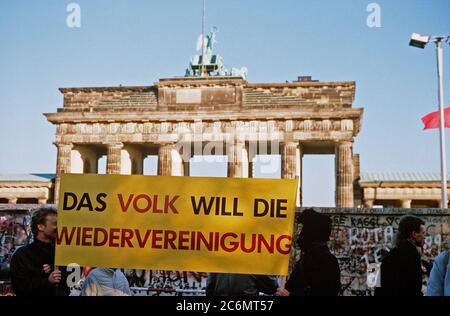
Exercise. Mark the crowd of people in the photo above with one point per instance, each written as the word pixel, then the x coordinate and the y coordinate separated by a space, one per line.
pixel 317 273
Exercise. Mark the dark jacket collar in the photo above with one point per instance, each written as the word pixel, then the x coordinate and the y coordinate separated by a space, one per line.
pixel 317 247
pixel 408 246
pixel 41 244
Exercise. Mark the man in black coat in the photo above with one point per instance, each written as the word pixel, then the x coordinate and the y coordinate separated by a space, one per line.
pixel 32 266
pixel 317 273
pixel 401 269
pixel 228 284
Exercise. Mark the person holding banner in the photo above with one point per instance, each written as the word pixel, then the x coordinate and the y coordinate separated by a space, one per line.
pixel 317 273
pixel 32 266
pixel 228 284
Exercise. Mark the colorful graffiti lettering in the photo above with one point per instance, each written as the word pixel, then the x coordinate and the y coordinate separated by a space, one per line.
pixel 359 240
pixel 159 282
pixel 14 232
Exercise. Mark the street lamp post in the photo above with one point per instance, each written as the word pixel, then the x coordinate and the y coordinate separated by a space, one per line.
pixel 421 41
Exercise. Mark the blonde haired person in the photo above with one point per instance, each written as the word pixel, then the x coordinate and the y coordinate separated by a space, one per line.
pixel 106 282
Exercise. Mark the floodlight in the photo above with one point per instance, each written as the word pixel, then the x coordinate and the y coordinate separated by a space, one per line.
pixel 419 41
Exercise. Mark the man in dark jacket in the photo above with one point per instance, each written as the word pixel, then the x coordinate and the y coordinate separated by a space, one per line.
pixel 317 273
pixel 401 269
pixel 32 266
pixel 227 284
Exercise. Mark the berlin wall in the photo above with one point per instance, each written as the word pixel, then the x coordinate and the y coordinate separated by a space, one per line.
pixel 360 238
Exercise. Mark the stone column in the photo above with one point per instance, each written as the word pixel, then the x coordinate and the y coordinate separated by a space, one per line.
pixel 344 174
pixel 165 159
pixel 291 165
pixel 62 165
pixel 237 157
pixel 252 151
pixel 186 168
pixel 245 161
pixel 251 169
pixel 368 203
pixel 299 174
pixel 42 201
pixel 113 159
pixel 438 202
pixel 406 203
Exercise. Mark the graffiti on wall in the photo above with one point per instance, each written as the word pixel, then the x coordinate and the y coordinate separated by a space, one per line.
pixel 14 232
pixel 160 282
pixel 361 240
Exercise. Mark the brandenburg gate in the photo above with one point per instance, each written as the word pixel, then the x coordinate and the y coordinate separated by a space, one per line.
pixel 210 111
pixel 178 117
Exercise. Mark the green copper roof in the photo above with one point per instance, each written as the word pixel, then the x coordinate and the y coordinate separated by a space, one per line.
pixel 401 176
pixel 27 177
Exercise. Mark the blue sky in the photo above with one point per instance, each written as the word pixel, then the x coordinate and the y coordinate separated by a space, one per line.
pixel 137 42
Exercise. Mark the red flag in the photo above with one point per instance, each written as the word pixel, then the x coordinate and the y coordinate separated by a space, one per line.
pixel 432 120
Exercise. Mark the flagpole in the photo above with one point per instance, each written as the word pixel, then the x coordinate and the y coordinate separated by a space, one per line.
pixel 444 202
pixel 203 38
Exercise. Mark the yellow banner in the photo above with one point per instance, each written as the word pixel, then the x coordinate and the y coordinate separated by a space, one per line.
pixel 176 223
